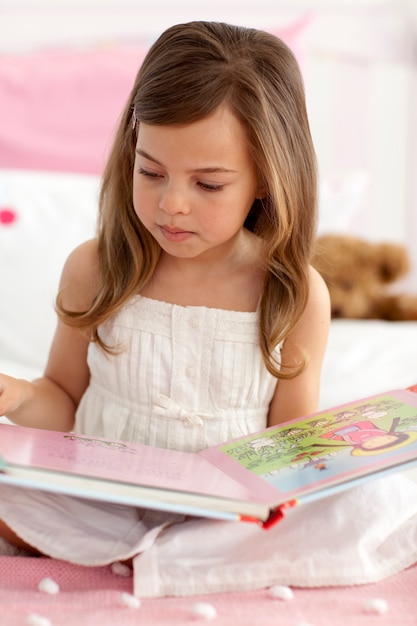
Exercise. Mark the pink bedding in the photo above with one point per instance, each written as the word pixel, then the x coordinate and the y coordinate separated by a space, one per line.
pixel 62 106
pixel 92 596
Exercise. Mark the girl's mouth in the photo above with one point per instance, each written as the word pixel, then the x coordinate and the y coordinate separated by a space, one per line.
pixel 175 234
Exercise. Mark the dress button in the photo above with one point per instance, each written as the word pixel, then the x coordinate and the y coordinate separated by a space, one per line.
pixel 194 322
pixel 190 372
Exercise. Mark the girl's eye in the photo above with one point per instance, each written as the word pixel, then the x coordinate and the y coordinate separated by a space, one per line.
pixel 147 173
pixel 210 187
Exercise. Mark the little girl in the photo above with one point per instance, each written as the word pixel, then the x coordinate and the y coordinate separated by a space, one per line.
pixel 194 317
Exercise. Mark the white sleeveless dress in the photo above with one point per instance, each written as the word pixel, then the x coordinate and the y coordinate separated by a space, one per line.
pixel 184 378
pixel 188 378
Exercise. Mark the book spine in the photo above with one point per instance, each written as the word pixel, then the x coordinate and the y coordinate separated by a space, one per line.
pixel 278 514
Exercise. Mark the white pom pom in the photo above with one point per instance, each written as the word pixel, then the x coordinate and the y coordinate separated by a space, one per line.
pixel 120 569
pixel 378 606
pixel 204 610
pixel 132 602
pixel 37 620
pixel 281 592
pixel 47 585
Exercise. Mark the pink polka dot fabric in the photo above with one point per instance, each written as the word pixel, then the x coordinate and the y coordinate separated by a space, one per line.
pixel 93 595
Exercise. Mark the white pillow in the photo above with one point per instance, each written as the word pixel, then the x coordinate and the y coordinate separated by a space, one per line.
pixel 342 203
pixel 43 216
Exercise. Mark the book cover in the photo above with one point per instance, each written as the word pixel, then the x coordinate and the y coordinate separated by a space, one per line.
pixel 255 477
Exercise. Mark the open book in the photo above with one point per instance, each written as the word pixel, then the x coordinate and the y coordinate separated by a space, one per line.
pixel 253 478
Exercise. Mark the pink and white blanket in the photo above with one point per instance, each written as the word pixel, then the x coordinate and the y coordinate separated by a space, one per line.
pixel 92 596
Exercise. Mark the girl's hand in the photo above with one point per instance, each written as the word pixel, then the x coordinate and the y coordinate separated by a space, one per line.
pixel 14 392
pixel 40 403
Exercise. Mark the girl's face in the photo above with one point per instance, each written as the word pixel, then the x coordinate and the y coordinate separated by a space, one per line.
pixel 194 184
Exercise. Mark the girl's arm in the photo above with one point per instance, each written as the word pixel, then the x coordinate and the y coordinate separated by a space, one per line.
pixel 299 396
pixel 51 401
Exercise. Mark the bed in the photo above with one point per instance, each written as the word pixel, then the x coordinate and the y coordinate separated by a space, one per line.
pixel 59 106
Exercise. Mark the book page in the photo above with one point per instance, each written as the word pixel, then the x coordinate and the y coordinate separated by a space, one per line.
pixel 326 448
pixel 115 461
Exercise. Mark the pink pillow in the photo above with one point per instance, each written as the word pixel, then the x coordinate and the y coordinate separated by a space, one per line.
pixel 292 35
pixel 59 109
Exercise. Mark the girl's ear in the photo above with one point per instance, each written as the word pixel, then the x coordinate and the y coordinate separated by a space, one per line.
pixel 261 190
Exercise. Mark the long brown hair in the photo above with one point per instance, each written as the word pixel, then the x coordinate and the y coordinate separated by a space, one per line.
pixel 188 72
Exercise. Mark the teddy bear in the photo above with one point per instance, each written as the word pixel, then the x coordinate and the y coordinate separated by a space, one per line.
pixel 360 275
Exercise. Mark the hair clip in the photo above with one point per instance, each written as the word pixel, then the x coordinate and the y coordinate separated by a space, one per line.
pixel 134 119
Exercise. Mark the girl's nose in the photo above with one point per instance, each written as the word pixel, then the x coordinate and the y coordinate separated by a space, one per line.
pixel 173 201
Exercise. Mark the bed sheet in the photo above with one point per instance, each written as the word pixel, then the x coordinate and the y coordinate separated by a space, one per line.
pixel 91 596
pixel 365 357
